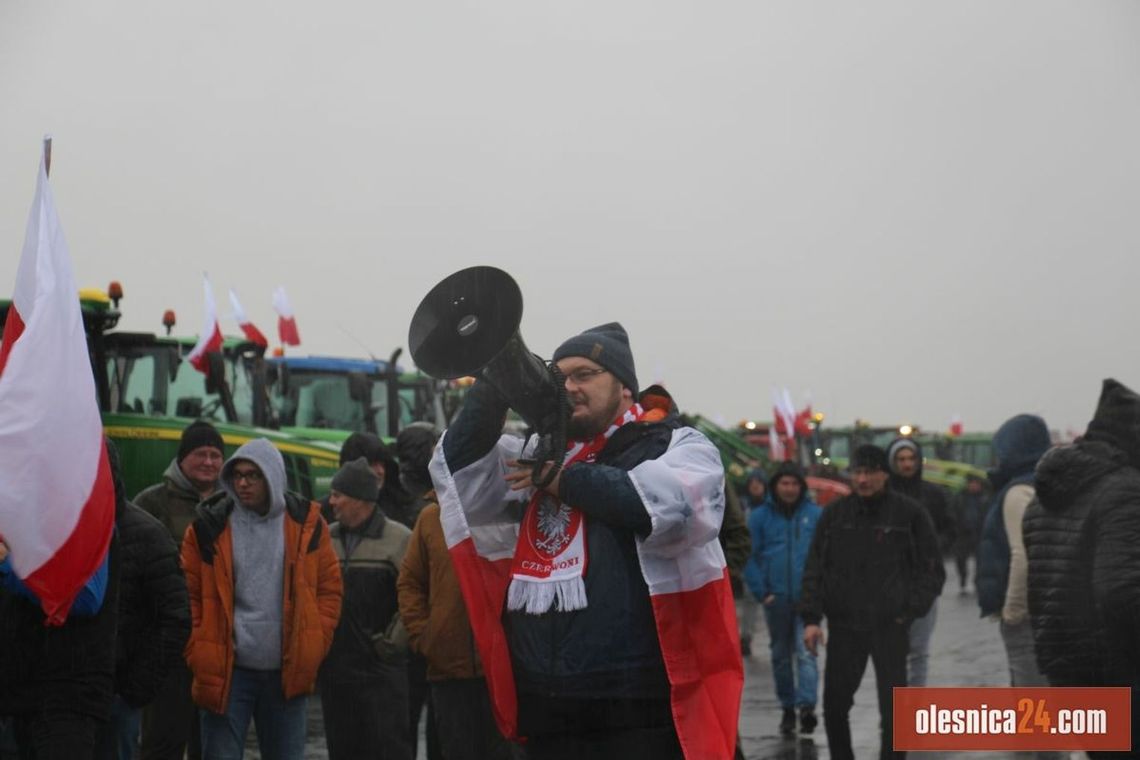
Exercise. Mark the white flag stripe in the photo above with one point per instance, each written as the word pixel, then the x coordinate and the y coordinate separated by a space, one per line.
pixel 239 312
pixel 209 321
pixel 281 303
pixel 51 450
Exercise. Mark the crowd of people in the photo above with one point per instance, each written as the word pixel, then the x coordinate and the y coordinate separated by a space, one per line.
pixel 596 607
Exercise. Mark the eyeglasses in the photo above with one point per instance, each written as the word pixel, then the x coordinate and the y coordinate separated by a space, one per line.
pixel 584 375
pixel 249 476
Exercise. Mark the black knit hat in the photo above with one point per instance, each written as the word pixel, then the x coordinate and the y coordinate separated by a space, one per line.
pixel 357 480
pixel 869 457
pixel 607 346
pixel 197 434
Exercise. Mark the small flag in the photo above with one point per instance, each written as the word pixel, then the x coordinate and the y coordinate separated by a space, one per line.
pixel 286 323
pixel 956 425
pixel 247 327
pixel 210 339
pixel 57 499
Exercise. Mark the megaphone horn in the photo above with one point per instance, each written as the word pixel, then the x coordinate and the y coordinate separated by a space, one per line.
pixel 468 324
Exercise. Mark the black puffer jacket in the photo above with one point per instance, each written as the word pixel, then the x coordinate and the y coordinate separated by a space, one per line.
pixel 1084 550
pixel 154 608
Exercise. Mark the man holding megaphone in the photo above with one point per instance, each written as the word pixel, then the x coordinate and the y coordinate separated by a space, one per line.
pixel 600 600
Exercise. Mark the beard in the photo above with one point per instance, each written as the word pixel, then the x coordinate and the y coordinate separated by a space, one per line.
pixel 587 426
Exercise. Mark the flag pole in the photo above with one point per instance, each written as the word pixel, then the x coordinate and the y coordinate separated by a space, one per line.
pixel 47 154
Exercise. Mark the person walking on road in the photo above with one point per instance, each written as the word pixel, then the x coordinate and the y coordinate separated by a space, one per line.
pixel 873 568
pixel 782 530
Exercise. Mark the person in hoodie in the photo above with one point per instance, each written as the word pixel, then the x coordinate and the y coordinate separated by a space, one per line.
pixel 873 568
pixel 154 619
pixel 782 529
pixel 1082 536
pixel 1115 561
pixel 905 457
pixel 754 494
pixel 1003 569
pixel 170 722
pixel 265 596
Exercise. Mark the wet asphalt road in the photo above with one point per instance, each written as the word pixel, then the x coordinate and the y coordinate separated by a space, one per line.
pixel 965 651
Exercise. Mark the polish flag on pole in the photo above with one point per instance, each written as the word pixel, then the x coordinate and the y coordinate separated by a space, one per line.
pixel 57 498
pixel 286 323
pixel 956 425
pixel 210 339
pixel 247 327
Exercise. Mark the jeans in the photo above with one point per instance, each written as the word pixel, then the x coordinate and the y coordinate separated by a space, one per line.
pixel 1021 653
pixel 847 652
pixel 118 738
pixel 793 667
pixel 280 722
pixel 921 631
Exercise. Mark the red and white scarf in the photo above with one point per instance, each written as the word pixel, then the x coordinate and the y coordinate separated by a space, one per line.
pixel 550 558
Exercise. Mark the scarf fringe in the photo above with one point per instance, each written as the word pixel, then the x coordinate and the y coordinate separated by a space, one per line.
pixel 538 597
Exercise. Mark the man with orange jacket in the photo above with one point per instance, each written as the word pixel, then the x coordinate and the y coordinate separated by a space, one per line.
pixel 265 596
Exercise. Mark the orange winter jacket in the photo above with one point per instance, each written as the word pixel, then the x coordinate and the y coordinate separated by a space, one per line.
pixel 312 596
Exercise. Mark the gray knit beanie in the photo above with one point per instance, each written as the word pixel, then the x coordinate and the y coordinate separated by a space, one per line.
pixel 898 445
pixel 357 480
pixel 606 345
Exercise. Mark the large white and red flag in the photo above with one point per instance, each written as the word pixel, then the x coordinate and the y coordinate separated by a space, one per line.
pixel 286 322
pixel 247 327
pixel 57 498
pixel 681 561
pixel 210 339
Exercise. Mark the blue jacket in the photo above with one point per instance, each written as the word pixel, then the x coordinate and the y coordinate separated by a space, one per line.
pixel 780 546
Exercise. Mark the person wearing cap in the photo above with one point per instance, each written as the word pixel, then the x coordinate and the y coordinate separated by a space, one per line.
pixel 170 722
pixel 873 568
pixel 603 575
pixel 265 596
pixel 364 686
pixel 782 529
pixel 394 501
pixel 905 458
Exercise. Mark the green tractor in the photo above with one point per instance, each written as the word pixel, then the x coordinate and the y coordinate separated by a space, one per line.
pixel 328 398
pixel 148 393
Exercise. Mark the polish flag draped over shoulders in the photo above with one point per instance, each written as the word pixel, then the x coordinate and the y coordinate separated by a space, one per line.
pixel 247 327
pixel 210 339
pixel 57 499
pixel 681 561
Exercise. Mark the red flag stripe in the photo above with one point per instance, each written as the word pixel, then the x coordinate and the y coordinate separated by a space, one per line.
pixel 255 335
pixel 214 344
pixel 13 329
pixel 484 586
pixel 96 521
pixel 287 330
pixel 700 644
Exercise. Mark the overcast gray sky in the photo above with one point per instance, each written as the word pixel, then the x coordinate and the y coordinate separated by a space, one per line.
pixel 910 209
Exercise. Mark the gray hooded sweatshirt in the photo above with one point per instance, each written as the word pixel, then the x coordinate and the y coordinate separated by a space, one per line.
pixel 259 561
